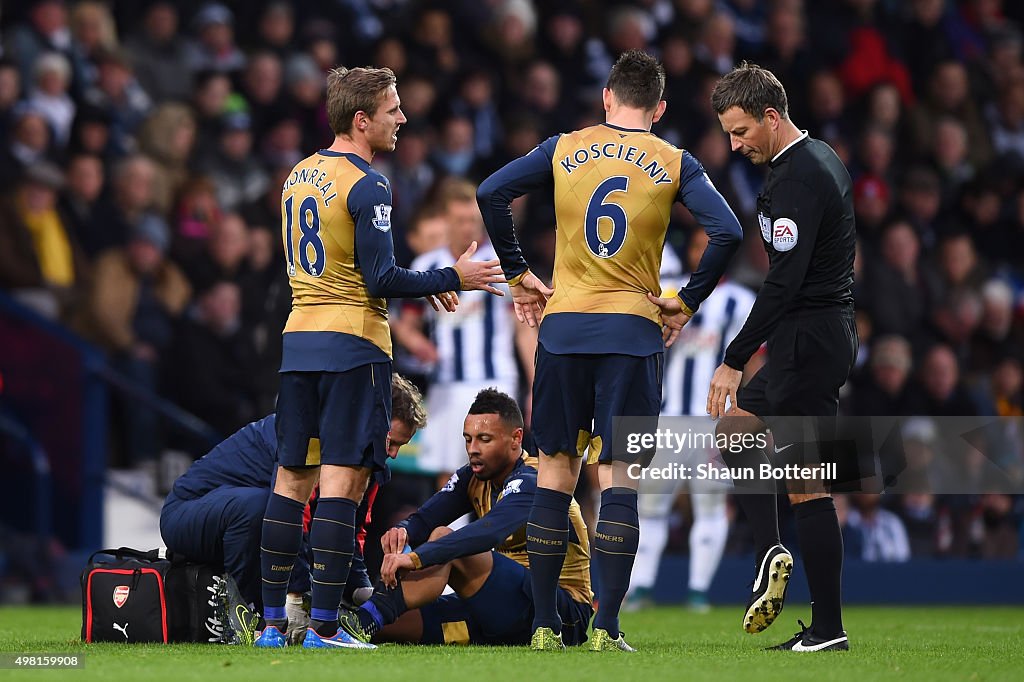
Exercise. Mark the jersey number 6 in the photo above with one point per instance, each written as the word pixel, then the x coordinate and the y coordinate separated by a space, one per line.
pixel 309 225
pixel 597 209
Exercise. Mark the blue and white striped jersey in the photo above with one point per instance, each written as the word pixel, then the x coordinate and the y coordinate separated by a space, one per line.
pixel 476 343
pixel 701 345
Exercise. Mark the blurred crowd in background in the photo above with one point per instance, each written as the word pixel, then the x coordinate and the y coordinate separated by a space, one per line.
pixel 143 146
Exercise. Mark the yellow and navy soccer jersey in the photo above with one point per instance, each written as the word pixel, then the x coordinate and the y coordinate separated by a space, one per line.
pixel 613 192
pixel 336 225
pixel 502 509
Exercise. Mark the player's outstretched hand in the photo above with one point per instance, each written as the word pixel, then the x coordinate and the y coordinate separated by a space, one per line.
pixel 724 384
pixel 479 275
pixel 529 297
pixel 449 300
pixel 393 567
pixel 673 319
pixel 394 540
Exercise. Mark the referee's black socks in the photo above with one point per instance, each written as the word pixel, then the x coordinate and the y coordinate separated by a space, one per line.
pixel 821 547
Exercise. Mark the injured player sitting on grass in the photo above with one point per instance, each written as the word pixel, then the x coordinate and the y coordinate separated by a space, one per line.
pixel 485 562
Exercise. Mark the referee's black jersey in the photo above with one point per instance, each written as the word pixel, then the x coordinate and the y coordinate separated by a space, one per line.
pixel 805 213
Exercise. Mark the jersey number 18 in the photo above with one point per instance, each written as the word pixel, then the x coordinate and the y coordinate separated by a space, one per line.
pixel 309 224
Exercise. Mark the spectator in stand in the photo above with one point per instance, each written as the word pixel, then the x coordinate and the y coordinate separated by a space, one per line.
pixel 159 54
pixel 997 336
pixel 210 102
pixel 234 169
pixel 120 97
pixel 10 93
pixel 82 202
pixel 454 153
pixel 277 29
pixel 476 103
pixel 49 95
pixel 214 48
pixel 920 518
pixel 136 296
pixel 93 32
pixel 902 288
pixel 46 31
pixel 225 256
pixel 168 137
pixel 949 95
pixel 920 202
pixel 885 538
pixel 41 263
pixel 212 361
pixel 939 385
pixel 1008 387
pixel 1001 523
pixel 871 206
pixel 27 145
pixel 884 389
pixel 262 87
pixel 135 181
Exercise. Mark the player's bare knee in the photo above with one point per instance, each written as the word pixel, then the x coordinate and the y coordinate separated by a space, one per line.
pixel 344 481
pixel 616 475
pixel 439 533
pixel 296 483
pixel 739 421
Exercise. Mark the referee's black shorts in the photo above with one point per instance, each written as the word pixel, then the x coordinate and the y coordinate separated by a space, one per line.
pixel 810 356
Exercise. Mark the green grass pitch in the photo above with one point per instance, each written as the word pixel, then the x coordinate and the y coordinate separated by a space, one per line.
pixel 971 644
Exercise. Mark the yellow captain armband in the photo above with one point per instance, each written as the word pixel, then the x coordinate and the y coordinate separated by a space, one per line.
pixel 518 278
pixel 686 308
pixel 416 560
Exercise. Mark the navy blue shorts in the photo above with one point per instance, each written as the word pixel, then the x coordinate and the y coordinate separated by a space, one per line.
pixel 221 528
pixel 576 398
pixel 500 613
pixel 340 418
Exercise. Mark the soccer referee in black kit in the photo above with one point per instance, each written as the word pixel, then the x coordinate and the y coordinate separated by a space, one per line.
pixel 804 310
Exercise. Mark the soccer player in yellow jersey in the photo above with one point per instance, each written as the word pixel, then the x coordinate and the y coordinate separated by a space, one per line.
pixel 334 404
pixel 601 338
pixel 485 562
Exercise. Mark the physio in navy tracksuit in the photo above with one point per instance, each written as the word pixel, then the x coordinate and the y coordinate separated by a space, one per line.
pixel 214 513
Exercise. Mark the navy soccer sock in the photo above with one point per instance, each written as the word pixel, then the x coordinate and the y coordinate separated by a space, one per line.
pixel 615 543
pixel 821 547
pixel 332 538
pixel 547 536
pixel 383 608
pixel 279 545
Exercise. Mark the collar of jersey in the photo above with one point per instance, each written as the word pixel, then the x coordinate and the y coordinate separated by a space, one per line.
pixel 625 130
pixel 803 136
pixel 354 158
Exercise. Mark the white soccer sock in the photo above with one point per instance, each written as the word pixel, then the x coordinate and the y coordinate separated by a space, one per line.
pixel 653 537
pixel 707 538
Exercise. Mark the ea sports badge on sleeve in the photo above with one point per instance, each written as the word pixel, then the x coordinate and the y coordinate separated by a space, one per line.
pixel 784 234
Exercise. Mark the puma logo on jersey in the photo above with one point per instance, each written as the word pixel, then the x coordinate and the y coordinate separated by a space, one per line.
pixel 123 629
